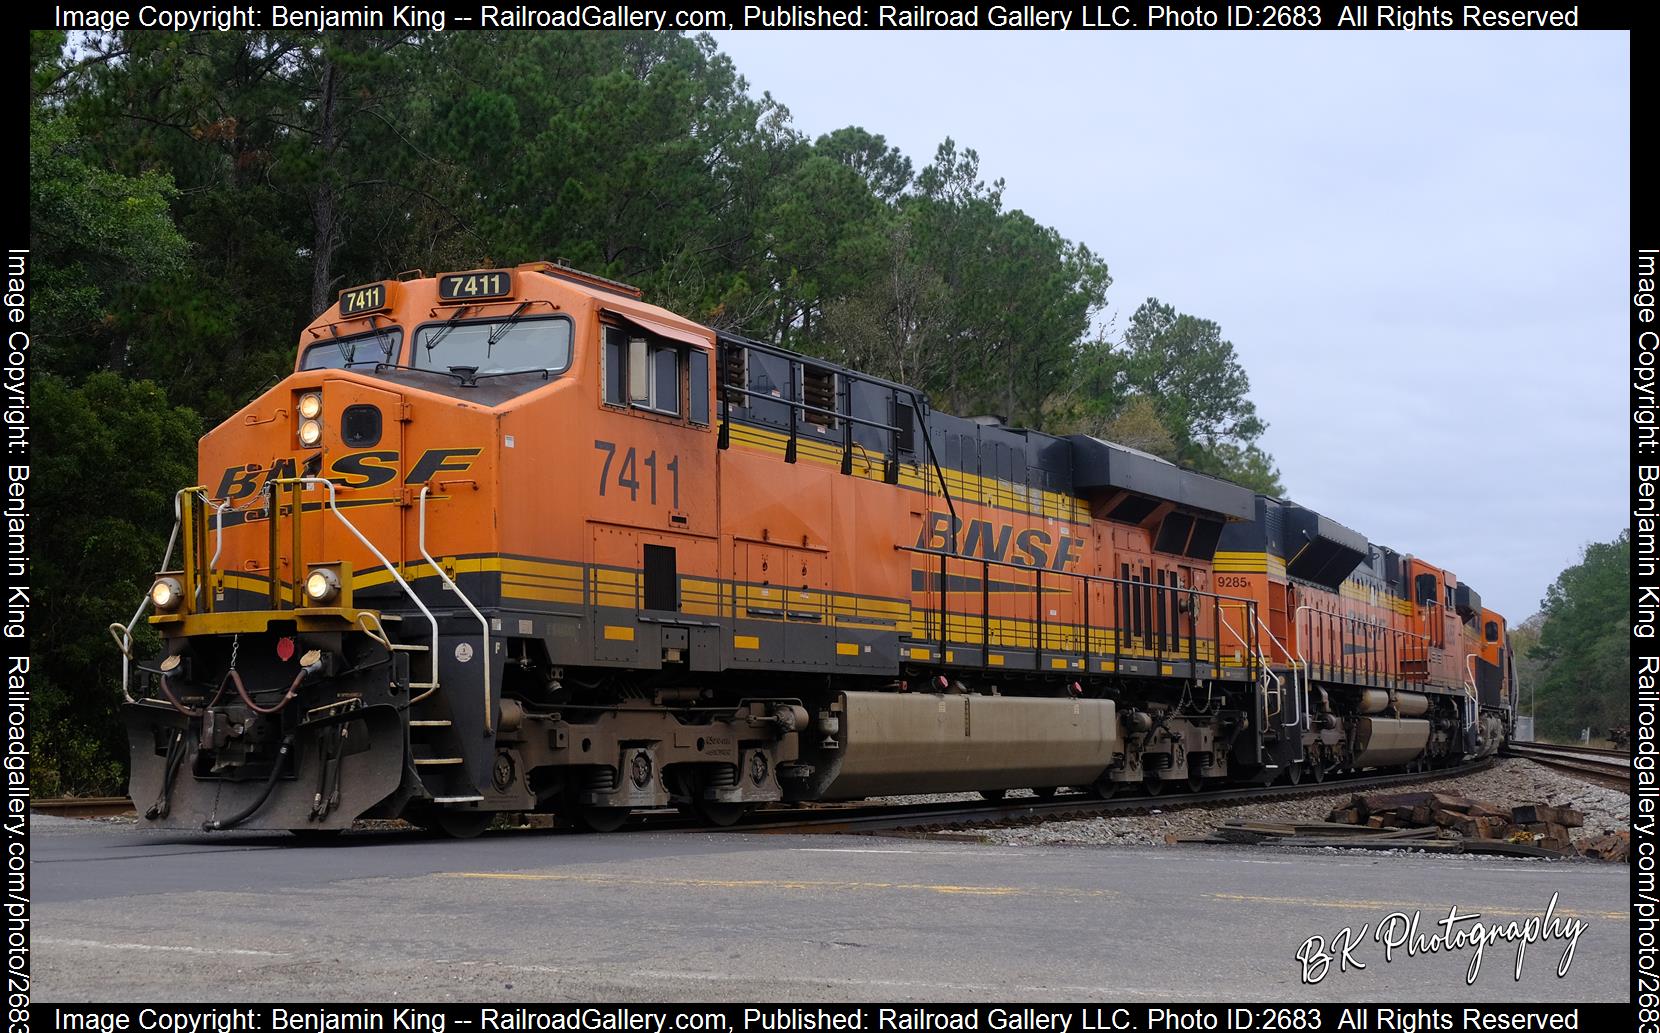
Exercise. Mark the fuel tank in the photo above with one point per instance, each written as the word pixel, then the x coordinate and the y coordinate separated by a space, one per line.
pixel 1382 742
pixel 926 743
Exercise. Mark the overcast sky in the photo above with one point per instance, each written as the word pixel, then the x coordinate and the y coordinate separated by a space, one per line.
pixel 1416 242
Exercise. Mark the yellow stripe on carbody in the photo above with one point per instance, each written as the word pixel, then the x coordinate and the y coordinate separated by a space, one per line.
pixel 563 582
pixel 963 487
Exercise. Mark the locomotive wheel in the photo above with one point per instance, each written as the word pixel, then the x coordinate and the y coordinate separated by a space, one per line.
pixel 599 819
pixel 1195 781
pixel 1154 786
pixel 992 795
pixel 719 814
pixel 1317 769
pixel 1045 793
pixel 1294 774
pixel 462 824
pixel 1104 789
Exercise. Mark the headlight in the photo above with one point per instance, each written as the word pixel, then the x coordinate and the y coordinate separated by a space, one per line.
pixel 322 585
pixel 311 405
pixel 166 593
pixel 311 433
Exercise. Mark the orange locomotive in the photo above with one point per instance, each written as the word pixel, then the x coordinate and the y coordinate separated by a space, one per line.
pixel 514 540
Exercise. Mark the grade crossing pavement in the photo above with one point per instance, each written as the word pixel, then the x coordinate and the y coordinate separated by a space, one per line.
pixel 127 914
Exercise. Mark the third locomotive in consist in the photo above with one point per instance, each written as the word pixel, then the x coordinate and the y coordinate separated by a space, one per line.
pixel 515 540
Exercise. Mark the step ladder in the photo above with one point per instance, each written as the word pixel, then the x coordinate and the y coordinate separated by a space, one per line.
pixel 432 742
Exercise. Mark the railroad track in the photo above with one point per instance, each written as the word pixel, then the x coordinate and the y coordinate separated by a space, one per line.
pixel 84 806
pixel 1552 747
pixel 1607 767
pixel 1065 807
pixel 866 817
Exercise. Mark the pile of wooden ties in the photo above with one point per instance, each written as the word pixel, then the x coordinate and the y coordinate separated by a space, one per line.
pixel 1434 822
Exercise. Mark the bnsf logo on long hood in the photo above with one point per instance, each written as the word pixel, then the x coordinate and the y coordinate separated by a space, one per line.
pixel 1029 547
pixel 369 469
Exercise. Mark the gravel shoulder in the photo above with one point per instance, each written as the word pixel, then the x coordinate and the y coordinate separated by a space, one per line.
pixel 1509 782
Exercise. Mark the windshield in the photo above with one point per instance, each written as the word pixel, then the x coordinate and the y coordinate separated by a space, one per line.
pixel 499 346
pixel 337 352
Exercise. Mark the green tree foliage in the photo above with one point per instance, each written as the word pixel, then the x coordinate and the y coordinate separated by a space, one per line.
pixel 109 455
pixel 885 170
pixel 634 155
pixel 289 162
pixel 1582 661
pixel 981 306
pixel 109 451
pixel 99 240
pixel 1138 425
pixel 197 198
pixel 1179 370
pixel 1202 394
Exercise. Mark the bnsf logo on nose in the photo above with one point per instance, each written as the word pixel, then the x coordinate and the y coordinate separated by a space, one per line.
pixel 352 470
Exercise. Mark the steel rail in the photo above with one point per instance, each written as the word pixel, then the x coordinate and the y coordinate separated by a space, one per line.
pixel 1611 768
pixel 866 817
pixel 1069 807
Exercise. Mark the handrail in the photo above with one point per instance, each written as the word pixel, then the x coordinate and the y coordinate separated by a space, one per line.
pixel 804 407
pixel 1398 634
pixel 334 507
pixel 421 543
pixel 1163 592
pixel 1266 668
pixel 1298 693
pixel 797 406
pixel 378 632
pixel 124 641
pixel 219 531
pixel 218 546
pixel 1088 578
pixel 1470 669
pixel 724 339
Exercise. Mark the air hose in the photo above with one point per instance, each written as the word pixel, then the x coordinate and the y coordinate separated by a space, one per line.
pixel 270 784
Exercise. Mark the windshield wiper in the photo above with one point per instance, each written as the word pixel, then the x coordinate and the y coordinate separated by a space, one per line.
pixel 384 338
pixel 501 331
pixel 444 331
pixel 346 348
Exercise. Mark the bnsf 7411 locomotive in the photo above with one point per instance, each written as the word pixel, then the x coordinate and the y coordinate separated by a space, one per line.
pixel 514 540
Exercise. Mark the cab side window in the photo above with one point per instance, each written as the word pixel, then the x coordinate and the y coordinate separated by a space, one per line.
pixel 652 375
pixel 662 393
pixel 614 360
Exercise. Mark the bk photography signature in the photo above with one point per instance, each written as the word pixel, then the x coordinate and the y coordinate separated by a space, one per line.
pixel 1457 931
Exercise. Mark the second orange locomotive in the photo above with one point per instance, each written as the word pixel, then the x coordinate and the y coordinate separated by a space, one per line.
pixel 514 540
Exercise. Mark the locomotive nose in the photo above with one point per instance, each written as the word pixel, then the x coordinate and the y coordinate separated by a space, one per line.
pixel 247 734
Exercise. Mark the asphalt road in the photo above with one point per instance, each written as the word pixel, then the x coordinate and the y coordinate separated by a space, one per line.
pixel 124 914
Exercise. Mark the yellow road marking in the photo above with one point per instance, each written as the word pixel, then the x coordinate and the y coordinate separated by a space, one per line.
pixel 1398 905
pixel 792 884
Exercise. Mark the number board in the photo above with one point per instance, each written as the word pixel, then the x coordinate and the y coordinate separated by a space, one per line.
pixel 475 286
pixel 371 297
